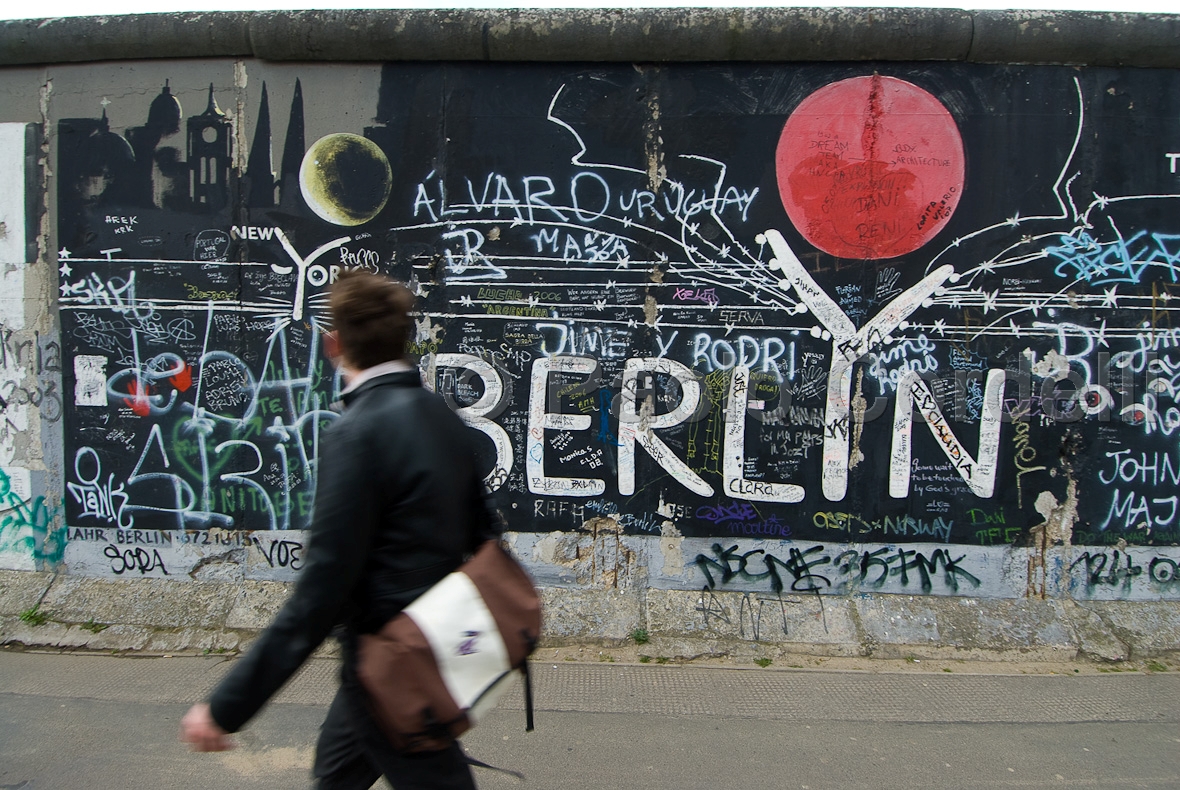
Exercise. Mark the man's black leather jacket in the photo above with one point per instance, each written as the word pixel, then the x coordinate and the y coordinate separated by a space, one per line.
pixel 399 503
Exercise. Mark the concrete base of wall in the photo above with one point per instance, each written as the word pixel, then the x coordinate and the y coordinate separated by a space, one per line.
pixel 163 616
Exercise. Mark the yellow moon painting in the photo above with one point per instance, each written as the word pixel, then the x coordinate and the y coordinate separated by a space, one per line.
pixel 345 179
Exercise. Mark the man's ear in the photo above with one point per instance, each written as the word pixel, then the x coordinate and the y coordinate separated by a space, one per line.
pixel 332 347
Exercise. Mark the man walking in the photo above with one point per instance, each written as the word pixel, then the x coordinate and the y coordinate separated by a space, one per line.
pixel 399 502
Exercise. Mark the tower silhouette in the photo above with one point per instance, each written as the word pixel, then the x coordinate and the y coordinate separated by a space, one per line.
pixel 210 156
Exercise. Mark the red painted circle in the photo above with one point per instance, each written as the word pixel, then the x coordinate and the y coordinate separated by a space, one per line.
pixel 870 167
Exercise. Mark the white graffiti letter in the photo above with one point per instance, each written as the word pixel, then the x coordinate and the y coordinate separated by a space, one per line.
pixel 979 474
pixel 637 423
pixel 475 415
pixel 733 467
pixel 541 420
pixel 848 345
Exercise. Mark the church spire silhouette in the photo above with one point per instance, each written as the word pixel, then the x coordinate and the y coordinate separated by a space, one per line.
pixel 212 108
pixel 293 149
pixel 260 176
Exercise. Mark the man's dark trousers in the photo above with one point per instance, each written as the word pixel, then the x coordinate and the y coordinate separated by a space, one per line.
pixel 351 753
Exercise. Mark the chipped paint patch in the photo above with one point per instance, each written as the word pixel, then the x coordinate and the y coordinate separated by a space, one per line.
pixel 223 566
pixel 859 407
pixel 653 141
pixel 427 332
pixel 1055 532
pixel 610 560
pixel 666 509
pixel 557 548
pixel 1061 517
pixel 650 311
pixel 241 144
pixel 671 549
pixel 1053 365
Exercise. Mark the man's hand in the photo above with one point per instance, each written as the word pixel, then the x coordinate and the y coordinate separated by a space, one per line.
pixel 200 730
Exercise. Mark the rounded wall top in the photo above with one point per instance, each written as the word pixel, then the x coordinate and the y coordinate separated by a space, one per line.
pixel 633 35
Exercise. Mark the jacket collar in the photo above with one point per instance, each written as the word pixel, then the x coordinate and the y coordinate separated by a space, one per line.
pixel 406 378
pixel 357 377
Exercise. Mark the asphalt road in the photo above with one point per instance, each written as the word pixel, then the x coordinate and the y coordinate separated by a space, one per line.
pixel 85 721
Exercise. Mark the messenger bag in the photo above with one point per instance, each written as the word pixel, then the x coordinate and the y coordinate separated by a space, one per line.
pixel 434 669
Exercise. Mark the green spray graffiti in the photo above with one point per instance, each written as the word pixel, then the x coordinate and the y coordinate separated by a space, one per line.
pixel 30 525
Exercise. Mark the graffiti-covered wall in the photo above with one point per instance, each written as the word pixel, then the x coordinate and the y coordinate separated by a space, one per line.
pixel 32 531
pixel 786 328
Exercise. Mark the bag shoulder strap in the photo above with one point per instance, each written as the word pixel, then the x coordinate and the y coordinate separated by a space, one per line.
pixel 481 764
pixel 528 696
pixel 528 717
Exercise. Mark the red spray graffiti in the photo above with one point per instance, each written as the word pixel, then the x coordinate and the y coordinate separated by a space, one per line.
pixel 870 167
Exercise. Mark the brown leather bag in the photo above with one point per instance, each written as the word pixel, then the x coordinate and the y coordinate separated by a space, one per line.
pixel 436 667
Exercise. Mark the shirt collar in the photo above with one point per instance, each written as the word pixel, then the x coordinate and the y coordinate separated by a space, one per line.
pixel 360 377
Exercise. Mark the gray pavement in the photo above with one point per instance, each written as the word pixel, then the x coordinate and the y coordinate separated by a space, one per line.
pixel 74 721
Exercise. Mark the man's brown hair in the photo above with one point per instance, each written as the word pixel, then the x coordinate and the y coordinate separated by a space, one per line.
pixel 371 316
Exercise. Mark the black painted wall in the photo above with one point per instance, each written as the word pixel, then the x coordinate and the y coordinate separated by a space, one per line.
pixel 617 224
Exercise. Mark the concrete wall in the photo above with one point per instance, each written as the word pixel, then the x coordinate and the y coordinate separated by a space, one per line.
pixel 866 350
